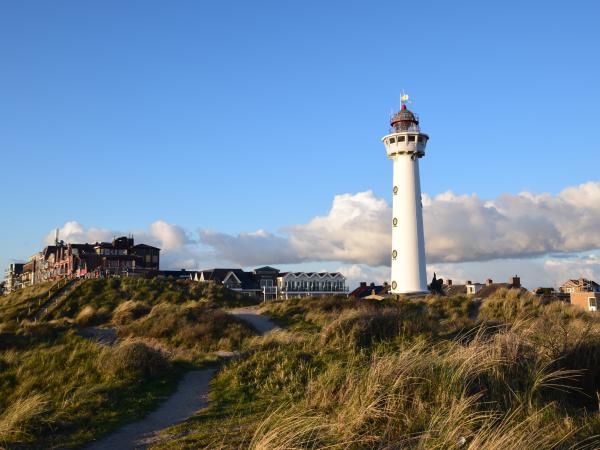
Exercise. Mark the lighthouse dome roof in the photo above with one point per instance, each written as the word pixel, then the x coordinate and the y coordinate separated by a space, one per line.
pixel 404 115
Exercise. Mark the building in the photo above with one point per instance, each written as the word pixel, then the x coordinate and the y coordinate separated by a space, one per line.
pixel 12 277
pixel 234 279
pixel 480 290
pixel 405 145
pixel 588 301
pixel 365 291
pixel 580 285
pixel 310 284
pixel 61 260
pixel 269 283
pixel 583 293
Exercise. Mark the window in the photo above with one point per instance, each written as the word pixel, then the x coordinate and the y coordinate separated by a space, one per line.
pixel 395 190
pixel 395 222
pixel 411 138
pixel 392 140
pixel 394 285
pixel 593 304
pixel 401 138
pixel 394 254
pixel 266 283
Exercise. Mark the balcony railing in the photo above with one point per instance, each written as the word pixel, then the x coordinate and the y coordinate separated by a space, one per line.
pixel 307 289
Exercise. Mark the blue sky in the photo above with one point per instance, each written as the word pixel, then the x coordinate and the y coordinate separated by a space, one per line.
pixel 238 116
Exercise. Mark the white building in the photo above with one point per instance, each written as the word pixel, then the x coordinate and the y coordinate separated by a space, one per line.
pixel 405 145
pixel 270 283
pixel 310 284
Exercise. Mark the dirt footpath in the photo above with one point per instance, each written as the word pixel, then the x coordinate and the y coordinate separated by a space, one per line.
pixel 191 396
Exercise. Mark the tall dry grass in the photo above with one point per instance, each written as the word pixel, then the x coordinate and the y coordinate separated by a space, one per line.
pixel 16 419
pixel 491 390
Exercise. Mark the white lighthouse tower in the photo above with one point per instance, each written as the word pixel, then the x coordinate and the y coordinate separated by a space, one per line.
pixel 405 145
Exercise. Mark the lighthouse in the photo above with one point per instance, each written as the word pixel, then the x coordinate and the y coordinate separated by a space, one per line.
pixel 405 145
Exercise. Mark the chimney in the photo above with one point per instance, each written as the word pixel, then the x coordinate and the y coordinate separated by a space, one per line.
pixel 515 281
pixel 363 284
pixel 469 282
pixel 448 282
pixel 56 238
pixel 489 282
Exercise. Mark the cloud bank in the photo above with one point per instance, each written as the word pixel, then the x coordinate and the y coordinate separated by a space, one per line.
pixel 458 228
pixel 356 233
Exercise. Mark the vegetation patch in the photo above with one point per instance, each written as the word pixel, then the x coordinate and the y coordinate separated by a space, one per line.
pixel 428 373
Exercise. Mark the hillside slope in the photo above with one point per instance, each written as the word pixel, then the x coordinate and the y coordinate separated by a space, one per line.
pixel 425 374
pixel 61 389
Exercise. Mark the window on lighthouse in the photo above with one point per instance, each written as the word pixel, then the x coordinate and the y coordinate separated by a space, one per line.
pixel 395 190
pixel 395 222
pixel 394 254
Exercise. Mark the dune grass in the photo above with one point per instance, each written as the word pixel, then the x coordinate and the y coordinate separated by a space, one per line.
pixel 422 374
pixel 21 303
pixel 59 390
pixel 106 295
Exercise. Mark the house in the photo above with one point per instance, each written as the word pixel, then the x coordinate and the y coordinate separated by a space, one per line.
pixel 583 293
pixel 269 283
pixel 179 274
pixel 310 284
pixel 580 285
pixel 61 260
pixel 234 279
pixel 480 290
pixel 588 301
pixel 12 277
pixel 372 290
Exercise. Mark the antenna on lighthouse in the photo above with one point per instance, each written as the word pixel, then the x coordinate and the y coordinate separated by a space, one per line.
pixel 56 238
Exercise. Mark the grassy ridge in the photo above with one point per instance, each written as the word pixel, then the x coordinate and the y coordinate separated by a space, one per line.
pixel 23 302
pixel 428 374
pixel 58 389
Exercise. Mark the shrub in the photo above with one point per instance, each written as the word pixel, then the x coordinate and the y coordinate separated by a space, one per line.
pixel 88 316
pixel 129 311
pixel 191 325
pixel 365 326
pixel 134 359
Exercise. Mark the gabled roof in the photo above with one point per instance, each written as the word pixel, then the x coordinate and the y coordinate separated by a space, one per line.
pixel 266 269
pixel 220 275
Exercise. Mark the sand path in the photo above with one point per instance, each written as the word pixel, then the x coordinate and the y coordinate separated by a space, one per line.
pixel 191 396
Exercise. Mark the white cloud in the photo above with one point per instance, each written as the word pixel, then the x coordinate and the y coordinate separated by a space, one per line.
pixel 508 230
pixel 458 228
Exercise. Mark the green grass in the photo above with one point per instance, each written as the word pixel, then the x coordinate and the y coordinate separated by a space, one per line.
pixel 21 303
pixel 78 394
pixel 105 295
pixel 59 390
pixel 429 373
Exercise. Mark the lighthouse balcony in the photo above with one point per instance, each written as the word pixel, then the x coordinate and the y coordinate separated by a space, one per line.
pixel 405 144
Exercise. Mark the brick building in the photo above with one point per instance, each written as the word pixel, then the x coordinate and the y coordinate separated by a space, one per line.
pixel 61 260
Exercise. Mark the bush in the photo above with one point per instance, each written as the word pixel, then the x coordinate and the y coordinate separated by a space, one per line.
pixel 89 316
pixel 129 311
pixel 365 326
pixel 134 359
